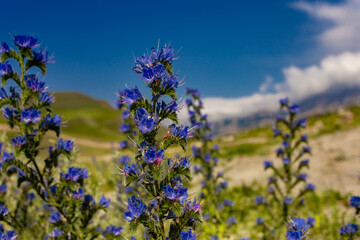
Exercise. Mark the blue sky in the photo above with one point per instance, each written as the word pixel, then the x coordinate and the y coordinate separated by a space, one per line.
pixel 227 47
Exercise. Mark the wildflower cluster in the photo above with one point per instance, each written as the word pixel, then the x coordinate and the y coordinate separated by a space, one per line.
pixel 351 230
pixel 165 211
pixel 298 228
pixel 288 183
pixel 27 109
pixel 213 182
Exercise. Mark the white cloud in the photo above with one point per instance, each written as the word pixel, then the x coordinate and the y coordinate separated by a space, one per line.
pixel 265 86
pixel 332 71
pixel 344 32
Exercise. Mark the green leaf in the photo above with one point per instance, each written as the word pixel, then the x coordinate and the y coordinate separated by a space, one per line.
pixel 36 63
pixel 12 54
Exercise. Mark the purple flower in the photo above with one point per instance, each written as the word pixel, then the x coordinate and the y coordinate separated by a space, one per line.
pixel 288 200
pixel 153 156
pixel 66 145
pixel 130 170
pixel 124 159
pixel 349 229
pixel 286 161
pixel 123 144
pixel 26 41
pixel 5 68
pixel 188 102
pixel 193 92
pixel 4 48
pixel 259 199
pixel 268 164
pixel 145 122
pixel 129 96
pixel 125 115
pixel 181 132
pixel 124 127
pixel 310 187
pixel 3 211
pixel 284 101
pixel 46 98
pixel 42 56
pixel 166 54
pixel 177 193
pixel 18 141
pixel 33 83
pixel 3 188
pixel 171 82
pixel 294 109
pixel 156 73
pixel 50 122
pixel 3 94
pixel 78 194
pixel 75 174
pixel 302 176
pixel 115 231
pixel 304 162
pixel 187 235
pixel 55 217
pixel 228 203
pixel 285 144
pixel 7 157
pixel 56 232
pixel 10 113
pixel 306 149
pixel 104 202
pixel 310 221
pixel 30 115
pixel 231 221
pixel 135 208
pixel 8 235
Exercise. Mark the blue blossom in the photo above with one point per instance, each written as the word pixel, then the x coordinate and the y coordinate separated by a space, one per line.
pixel 272 180
pixel 284 101
pixel 26 41
pixel 171 82
pixel 285 144
pixel 193 91
pixel 156 73
pixel 288 200
pixel 3 94
pixel 115 231
pixel 310 187
pixel 349 229
pixel 75 174
pixel 271 189
pixel 135 208
pixel 125 115
pixel 181 131
pixel 132 169
pixel 188 102
pixel 50 122
pixel 153 156
pixel 302 176
pixel 166 54
pixel 259 221
pixel 304 162
pixel 30 115
pixel 89 201
pixel 30 196
pixel 130 95
pixel 3 188
pixel 176 193
pixel 56 232
pixel 276 132
pixel 294 235
pixel 4 48
pixel 66 145
pixel 145 122
pixel 124 127
pixel 18 141
pixel 123 144
pixel 187 235
pixel 310 221
pixel 8 235
pixel 355 202
pixel 46 98
pixel 268 164
pixel 286 161
pixel 55 217
pixel 294 109
pixel 42 56
pixel 3 210
pixel 306 149
pixel 124 159
pixel 231 221
pixel 78 194
pixel 33 83
pixel 5 68
pixel 259 199
pixel 104 202
pixel 7 157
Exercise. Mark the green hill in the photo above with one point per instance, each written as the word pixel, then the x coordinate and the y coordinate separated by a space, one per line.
pixel 87 117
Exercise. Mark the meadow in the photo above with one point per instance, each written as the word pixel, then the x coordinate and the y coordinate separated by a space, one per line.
pixel 78 168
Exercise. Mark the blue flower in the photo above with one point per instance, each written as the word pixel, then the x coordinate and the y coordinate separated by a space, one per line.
pixel 5 68
pixel 181 132
pixel 55 217
pixel 124 127
pixel 272 180
pixel 156 73
pixel 302 176
pixel 304 162
pixel 276 132
pixel 18 141
pixel 231 221
pixel 288 200
pixel 46 98
pixel 115 231
pixel 153 156
pixel 132 169
pixel 78 194
pixel 4 48
pixel 188 102
pixel 56 232
pixel 355 202
pixel 271 189
pixel 42 56
pixel 30 115
pixel 129 96
pixel 125 115
pixel 7 157
pixel 268 164
pixel 349 229
pixel 193 92
pixel 33 83
pixel 26 41
pixel 259 199
pixel 145 122
pixel 89 201
pixel 3 94
pixel 285 144
pixel 310 221
pixel 3 210
pixel 171 82
pixel 8 235
pixel 284 101
pixel 50 122
pixel 294 109
pixel 224 184
pixel 104 202
pixel 75 174
pixel 187 235
pixel 123 144
pixel 3 188
pixel 259 221
pixel 294 235
pixel 66 145
pixel 136 207
pixel 166 54
pixel 310 187
pixel 177 193
pixel 286 161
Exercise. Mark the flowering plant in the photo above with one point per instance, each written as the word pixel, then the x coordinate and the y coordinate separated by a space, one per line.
pixel 165 211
